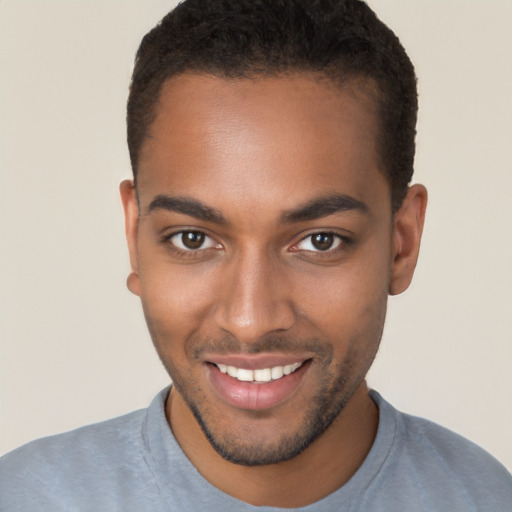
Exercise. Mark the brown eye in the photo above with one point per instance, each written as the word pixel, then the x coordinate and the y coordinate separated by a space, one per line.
pixel 192 239
pixel 322 241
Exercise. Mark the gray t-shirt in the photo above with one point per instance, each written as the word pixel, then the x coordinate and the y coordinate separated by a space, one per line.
pixel 133 463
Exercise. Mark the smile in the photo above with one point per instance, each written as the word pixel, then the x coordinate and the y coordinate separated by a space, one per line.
pixel 264 386
pixel 259 375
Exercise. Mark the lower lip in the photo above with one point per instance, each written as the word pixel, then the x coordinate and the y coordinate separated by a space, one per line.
pixel 255 396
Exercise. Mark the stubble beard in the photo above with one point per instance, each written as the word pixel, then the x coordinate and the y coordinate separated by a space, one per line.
pixel 316 420
pixel 334 392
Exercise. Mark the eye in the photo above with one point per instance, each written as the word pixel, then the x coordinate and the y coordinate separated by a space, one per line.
pixel 319 242
pixel 192 241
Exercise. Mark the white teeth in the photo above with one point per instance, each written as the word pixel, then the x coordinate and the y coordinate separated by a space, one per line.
pixel 264 375
pixel 290 368
pixel 245 375
pixel 277 372
pixel 260 375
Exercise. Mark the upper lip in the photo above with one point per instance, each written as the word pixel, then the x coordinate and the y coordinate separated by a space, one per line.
pixel 256 361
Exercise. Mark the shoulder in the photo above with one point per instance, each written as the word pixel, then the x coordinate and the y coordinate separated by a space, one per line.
pixel 71 462
pixel 453 452
pixel 99 440
pixel 437 461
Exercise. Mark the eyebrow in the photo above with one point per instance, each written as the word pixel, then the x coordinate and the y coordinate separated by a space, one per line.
pixel 187 206
pixel 317 208
pixel 323 207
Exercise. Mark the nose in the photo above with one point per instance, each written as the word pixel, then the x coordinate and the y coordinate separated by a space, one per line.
pixel 255 299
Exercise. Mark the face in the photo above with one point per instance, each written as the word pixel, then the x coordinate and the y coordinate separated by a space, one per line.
pixel 263 248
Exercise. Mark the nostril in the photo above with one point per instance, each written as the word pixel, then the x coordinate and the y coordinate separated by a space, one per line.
pixel 253 304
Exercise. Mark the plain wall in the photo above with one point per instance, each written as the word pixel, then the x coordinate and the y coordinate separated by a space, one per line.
pixel 74 346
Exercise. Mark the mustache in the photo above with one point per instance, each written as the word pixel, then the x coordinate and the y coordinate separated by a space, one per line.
pixel 269 344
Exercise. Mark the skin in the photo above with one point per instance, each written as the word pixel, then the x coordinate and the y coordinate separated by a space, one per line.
pixel 254 153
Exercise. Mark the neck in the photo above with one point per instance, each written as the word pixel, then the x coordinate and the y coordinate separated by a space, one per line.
pixel 297 482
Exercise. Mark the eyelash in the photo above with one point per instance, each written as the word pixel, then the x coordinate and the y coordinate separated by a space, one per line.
pixel 340 241
pixel 187 252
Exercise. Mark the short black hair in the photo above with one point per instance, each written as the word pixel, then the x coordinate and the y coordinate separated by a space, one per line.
pixel 334 39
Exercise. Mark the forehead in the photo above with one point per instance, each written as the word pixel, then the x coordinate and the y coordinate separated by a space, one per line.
pixel 272 140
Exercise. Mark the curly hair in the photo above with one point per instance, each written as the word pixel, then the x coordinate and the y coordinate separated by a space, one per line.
pixel 335 39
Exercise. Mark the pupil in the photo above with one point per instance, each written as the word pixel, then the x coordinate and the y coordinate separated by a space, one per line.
pixel 322 241
pixel 193 239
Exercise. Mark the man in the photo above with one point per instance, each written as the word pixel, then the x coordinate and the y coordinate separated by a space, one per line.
pixel 270 216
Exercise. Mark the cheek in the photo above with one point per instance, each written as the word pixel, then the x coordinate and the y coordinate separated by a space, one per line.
pixel 175 299
pixel 349 301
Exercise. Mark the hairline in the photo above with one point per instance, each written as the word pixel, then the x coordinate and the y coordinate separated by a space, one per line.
pixel 350 81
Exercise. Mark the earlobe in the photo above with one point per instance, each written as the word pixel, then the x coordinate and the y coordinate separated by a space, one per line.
pixel 407 231
pixel 133 283
pixel 131 218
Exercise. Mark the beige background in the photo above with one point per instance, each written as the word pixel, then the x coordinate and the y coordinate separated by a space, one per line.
pixel 74 347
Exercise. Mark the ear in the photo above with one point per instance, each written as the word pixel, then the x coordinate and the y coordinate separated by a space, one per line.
pixel 407 230
pixel 131 219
